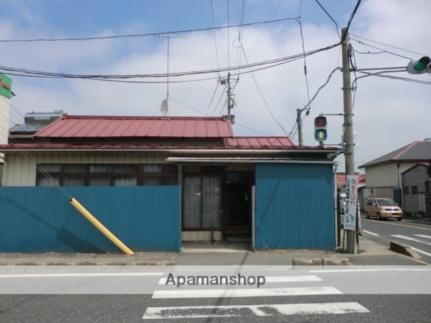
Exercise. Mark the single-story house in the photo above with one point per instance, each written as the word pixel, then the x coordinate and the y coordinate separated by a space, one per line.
pixel 384 174
pixel 160 181
pixel 415 181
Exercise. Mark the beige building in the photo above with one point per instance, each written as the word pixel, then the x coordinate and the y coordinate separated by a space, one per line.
pixel 384 174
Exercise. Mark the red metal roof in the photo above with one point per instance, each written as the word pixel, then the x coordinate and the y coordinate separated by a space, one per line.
pixel 258 142
pixel 137 127
pixel 341 179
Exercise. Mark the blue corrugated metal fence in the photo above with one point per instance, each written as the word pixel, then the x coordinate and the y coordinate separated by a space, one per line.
pixel 40 219
pixel 294 206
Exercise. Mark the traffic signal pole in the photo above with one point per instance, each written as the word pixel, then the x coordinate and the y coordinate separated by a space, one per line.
pixel 348 124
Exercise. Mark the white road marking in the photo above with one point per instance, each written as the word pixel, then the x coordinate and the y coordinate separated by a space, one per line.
pixel 369 232
pixel 189 312
pixel 77 275
pixel 421 251
pixel 423 236
pixel 292 279
pixel 400 236
pixel 366 270
pixel 251 292
pixel 275 279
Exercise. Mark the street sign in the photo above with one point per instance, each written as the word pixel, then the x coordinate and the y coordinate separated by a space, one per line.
pixel 352 202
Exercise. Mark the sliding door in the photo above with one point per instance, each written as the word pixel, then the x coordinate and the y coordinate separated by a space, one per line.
pixel 201 202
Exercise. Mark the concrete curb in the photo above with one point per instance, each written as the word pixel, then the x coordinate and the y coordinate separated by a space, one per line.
pixel 402 249
pixel 90 263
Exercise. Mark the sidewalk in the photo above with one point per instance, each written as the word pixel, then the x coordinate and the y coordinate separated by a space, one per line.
pixel 371 253
pixel 88 259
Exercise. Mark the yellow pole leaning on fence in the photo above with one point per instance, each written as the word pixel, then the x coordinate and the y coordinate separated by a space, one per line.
pixel 99 226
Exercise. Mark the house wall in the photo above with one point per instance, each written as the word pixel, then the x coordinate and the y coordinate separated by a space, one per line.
pixel 387 175
pixel 415 203
pixel 41 219
pixel 4 121
pixel 20 168
pixel 295 206
pixel 386 180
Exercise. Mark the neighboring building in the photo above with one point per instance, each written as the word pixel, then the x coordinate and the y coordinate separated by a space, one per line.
pixel 5 94
pixel 341 180
pixel 33 122
pixel 415 181
pixel 159 181
pixel 384 174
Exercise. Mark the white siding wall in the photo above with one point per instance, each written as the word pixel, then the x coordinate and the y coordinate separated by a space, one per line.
pixel 4 121
pixel 385 175
pixel 20 168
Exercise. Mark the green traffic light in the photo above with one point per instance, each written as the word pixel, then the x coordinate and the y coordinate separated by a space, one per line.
pixel 422 64
pixel 320 134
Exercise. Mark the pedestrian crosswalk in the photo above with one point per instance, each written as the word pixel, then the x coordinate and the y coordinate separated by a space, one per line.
pixel 276 286
pixel 421 239
pixel 415 238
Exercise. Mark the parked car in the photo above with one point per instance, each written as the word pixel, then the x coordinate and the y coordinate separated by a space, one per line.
pixel 383 208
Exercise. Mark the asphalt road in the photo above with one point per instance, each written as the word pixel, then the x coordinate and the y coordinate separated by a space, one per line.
pixel 131 308
pixel 407 232
pixel 340 294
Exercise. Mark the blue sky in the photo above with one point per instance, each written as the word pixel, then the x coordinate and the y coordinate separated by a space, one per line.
pixel 382 107
pixel 80 17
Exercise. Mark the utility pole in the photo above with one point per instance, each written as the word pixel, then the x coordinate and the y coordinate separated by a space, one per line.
pixel 348 123
pixel 299 123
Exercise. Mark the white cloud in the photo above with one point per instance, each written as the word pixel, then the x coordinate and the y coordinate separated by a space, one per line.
pixel 388 113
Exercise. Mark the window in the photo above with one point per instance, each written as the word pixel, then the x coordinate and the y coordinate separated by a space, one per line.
pixel 370 202
pixel 414 189
pixel 159 175
pixel 105 175
pixel 406 190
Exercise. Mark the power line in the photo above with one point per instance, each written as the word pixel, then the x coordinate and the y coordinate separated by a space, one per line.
pixel 214 34
pixel 212 97
pixel 251 116
pixel 388 45
pixel 368 52
pixel 350 20
pixel 329 15
pixel 267 63
pixel 251 129
pixel 307 84
pixel 261 34
pixel 228 32
pixel 161 33
pixel 380 74
pixel 201 112
pixel 379 48
pixel 263 96
pixel 113 80
pixel 219 100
